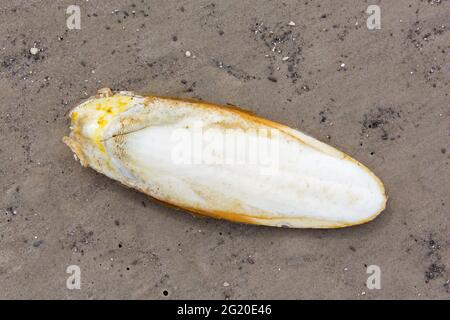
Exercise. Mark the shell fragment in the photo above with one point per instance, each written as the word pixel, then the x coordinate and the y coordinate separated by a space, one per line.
pixel 222 162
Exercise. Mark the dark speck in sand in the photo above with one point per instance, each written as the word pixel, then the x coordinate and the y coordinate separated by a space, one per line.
pixel 434 271
pixel 38 243
pixel 380 120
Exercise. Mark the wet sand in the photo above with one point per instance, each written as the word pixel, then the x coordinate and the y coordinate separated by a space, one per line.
pixel 382 96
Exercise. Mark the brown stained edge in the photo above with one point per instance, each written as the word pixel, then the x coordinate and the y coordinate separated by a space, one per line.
pixel 75 146
pixel 250 219
pixel 291 222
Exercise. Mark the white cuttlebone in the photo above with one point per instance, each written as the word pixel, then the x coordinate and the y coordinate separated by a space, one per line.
pixel 314 185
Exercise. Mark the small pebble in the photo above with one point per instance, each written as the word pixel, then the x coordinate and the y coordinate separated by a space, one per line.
pixel 34 51
pixel 291 23
pixel 226 284
pixel 38 243
pixel 188 54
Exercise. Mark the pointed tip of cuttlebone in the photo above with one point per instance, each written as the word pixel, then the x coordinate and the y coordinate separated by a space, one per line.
pixel 104 93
